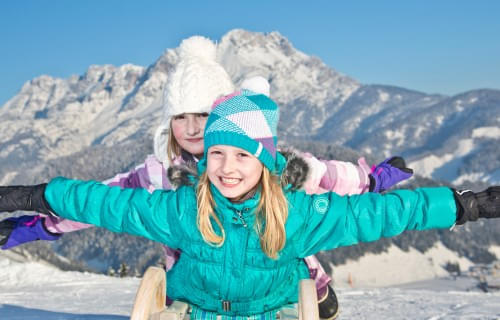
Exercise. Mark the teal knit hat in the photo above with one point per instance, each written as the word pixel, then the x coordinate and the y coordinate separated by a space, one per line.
pixel 246 120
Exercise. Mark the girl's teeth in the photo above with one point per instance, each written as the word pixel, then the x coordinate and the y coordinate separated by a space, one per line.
pixel 230 180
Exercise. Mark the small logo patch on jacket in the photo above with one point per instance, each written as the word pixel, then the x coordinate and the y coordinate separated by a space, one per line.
pixel 321 205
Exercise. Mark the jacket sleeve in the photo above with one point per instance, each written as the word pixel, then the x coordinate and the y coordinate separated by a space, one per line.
pixel 149 175
pixel 155 216
pixel 346 178
pixel 332 221
pixel 336 176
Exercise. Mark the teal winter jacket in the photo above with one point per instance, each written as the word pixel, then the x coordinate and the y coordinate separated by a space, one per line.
pixel 237 278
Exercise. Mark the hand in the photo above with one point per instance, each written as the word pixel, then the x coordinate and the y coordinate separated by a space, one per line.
pixel 23 229
pixel 388 173
pixel 474 205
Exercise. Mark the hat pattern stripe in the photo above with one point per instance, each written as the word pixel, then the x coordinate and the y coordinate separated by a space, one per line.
pixel 239 104
pixel 224 124
pixel 253 123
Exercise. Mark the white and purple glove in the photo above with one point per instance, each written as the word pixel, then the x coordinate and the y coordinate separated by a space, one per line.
pixel 389 173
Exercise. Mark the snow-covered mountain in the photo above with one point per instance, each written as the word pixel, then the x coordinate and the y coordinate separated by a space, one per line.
pixel 449 138
pixel 101 123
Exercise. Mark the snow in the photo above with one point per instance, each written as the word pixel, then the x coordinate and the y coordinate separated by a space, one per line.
pixel 427 165
pixel 30 290
pixel 84 109
pixel 495 250
pixel 446 166
pixel 417 266
pixel 486 132
pixel 459 106
pixel 408 303
pixel 439 120
pixel 383 96
pixel 7 177
pixel 395 135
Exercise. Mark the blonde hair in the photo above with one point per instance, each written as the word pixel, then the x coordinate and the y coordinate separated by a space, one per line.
pixel 272 213
pixel 206 203
pixel 173 147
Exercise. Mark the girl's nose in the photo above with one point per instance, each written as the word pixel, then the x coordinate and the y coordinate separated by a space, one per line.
pixel 193 126
pixel 227 165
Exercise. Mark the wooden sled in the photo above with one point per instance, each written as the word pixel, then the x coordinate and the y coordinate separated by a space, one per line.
pixel 149 301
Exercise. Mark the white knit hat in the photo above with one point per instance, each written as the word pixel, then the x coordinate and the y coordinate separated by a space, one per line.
pixel 197 81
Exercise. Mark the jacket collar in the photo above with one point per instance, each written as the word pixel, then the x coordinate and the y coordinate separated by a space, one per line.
pixel 236 212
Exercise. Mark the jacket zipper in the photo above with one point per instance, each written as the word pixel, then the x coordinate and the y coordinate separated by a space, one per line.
pixel 240 215
pixel 226 304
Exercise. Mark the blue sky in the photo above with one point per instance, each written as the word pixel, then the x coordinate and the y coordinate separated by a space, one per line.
pixel 432 46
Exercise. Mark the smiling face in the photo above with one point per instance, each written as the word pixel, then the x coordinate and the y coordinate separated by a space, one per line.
pixel 188 131
pixel 233 171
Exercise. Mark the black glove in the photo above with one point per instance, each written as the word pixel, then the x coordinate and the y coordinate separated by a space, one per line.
pixel 27 198
pixel 472 205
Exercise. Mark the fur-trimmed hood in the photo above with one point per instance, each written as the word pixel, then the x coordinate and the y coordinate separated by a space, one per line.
pixel 293 175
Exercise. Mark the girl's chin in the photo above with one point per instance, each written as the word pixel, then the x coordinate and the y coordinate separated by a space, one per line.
pixel 194 151
pixel 230 194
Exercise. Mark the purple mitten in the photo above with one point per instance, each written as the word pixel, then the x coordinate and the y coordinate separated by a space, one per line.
pixel 388 173
pixel 19 230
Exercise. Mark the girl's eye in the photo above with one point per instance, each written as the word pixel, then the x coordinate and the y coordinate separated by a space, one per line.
pixel 215 152
pixel 179 117
pixel 242 154
pixel 203 115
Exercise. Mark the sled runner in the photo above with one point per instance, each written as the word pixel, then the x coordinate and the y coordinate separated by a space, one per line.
pixel 150 301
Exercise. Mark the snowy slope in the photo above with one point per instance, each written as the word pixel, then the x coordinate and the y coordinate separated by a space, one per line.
pixel 397 267
pixel 36 291
pixel 30 290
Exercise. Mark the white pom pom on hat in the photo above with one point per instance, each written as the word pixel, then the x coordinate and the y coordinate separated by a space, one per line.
pixel 198 46
pixel 257 84
pixel 197 81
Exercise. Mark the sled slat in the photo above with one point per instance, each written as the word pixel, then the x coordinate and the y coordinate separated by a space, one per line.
pixel 308 300
pixel 151 295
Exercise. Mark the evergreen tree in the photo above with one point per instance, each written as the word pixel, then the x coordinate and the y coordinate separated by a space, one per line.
pixel 123 270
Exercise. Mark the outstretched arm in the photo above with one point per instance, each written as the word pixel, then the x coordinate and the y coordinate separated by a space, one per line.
pixel 150 175
pixel 134 211
pixel 18 230
pixel 334 221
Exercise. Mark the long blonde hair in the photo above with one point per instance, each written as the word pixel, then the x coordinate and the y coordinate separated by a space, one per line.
pixel 173 147
pixel 272 213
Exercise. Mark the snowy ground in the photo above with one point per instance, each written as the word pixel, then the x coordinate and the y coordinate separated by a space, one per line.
pixel 36 291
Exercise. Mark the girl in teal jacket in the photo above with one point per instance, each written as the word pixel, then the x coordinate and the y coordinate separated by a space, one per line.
pixel 242 231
